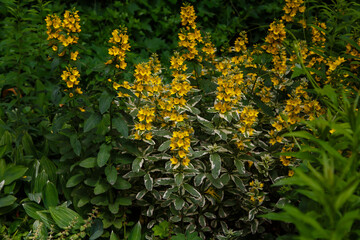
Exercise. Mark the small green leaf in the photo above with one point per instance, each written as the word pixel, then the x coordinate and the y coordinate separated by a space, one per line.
pixel 104 154
pixel 123 201
pixel 240 166
pixel 137 163
pixel 190 189
pixel 205 123
pixel 75 180
pixel 75 144
pixel 164 146
pixel 7 201
pixel 88 162
pixel 46 218
pixel 13 173
pixel 179 203
pixel 50 195
pixel 179 177
pixel 121 125
pixel 101 187
pixel 28 144
pixel 135 233
pixel 121 184
pixel 148 181
pixel 31 209
pixel 215 161
pixel 64 216
pixel 91 122
pixel 111 174
pixel 96 229
pixel 113 236
pixel 104 101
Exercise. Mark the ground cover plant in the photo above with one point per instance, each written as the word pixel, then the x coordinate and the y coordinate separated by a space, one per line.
pixel 207 139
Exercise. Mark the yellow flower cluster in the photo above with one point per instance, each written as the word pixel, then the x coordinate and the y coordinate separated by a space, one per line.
pixel 228 92
pixel 279 62
pixel 254 191
pixel 334 64
pixel 189 36
pixel 274 138
pixel 121 45
pixel 291 8
pixel 209 49
pixel 188 16
pixel 177 62
pixel 63 31
pixel 247 119
pixel 352 51
pixel 285 160
pixel 180 144
pixel 143 128
pixel 240 42
pixel 318 37
pixel 275 37
pixel 71 77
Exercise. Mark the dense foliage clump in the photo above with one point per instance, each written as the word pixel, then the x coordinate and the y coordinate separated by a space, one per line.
pixel 205 139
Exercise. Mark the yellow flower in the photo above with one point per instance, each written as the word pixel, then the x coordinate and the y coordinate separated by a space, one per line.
pixel 332 131
pixel 148 136
pixel 82 109
pixel 186 161
pixel 74 55
pixel 174 160
pixel 78 91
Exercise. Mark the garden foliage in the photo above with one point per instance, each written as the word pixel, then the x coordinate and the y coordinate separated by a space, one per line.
pixel 205 138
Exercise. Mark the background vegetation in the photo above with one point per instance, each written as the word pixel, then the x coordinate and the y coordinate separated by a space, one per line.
pixel 271 120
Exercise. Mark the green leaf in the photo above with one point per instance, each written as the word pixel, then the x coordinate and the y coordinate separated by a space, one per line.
pixel 83 201
pixel 190 189
pixel 2 184
pixel 111 174
pixel 7 201
pixel 121 184
pixel 75 144
pixel 75 180
pixel 113 236
pixel 64 216
pixel 101 187
pixel 31 209
pixel 179 203
pixel 205 123
pixel 50 195
pixel 164 146
pixel 104 154
pixel 240 166
pixel 88 162
pixel 179 177
pixel 91 122
pixel 162 229
pixel 215 161
pixel 123 201
pixel 135 233
pixel 13 173
pixel 28 144
pixel 148 181
pixel 136 164
pixel 297 72
pixel 104 101
pixel 346 193
pixel 46 218
pixel 96 229
pixel 49 167
pixel 121 125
